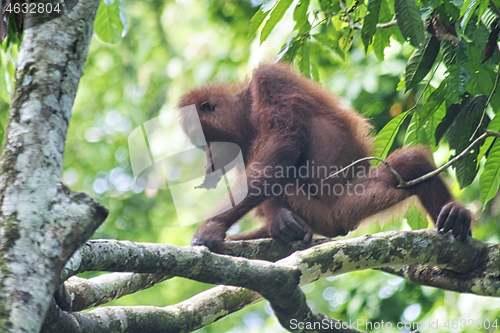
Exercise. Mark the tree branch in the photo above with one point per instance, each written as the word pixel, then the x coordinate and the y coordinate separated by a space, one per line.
pixel 442 250
pixel 89 293
pixel 96 255
pixel 473 262
pixel 196 312
pixel 378 26
pixel 99 254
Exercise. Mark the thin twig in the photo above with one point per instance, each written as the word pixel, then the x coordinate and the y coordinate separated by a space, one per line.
pixel 402 182
pixel 378 26
pixel 314 25
pixel 450 162
pixel 353 8
pixel 391 169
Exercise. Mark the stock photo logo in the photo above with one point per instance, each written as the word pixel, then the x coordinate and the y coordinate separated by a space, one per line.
pixel 199 174
pixel 31 14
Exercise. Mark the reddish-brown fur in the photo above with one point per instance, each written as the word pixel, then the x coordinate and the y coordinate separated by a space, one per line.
pixel 281 119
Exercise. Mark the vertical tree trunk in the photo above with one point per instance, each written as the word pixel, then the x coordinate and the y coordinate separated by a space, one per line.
pixel 41 222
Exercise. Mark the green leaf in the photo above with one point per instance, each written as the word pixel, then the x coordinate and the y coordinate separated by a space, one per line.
pixel 289 50
pixel 345 41
pixel 381 40
pixel 466 11
pixel 432 123
pixel 4 85
pixel 448 13
pixel 411 136
pixel 409 21
pixel 488 17
pixel 386 11
pixel 276 15
pixel 415 133
pixel 422 127
pixel 256 22
pixel 420 63
pixel 466 171
pixel 329 7
pixel 383 142
pixel 314 72
pixel 494 126
pixel 451 114
pixel 483 6
pixel 329 43
pixel 401 85
pixel 305 29
pixel 325 41
pixel 489 180
pixel 415 218
pixel 435 100
pixel 382 37
pixel 485 148
pixel 304 62
pixel 465 5
pixel 449 54
pixel 108 25
pixel 458 79
pixel 425 12
pixel 300 14
pixel 460 137
pixel 370 22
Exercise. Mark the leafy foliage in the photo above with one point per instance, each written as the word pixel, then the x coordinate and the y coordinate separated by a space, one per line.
pixel 409 22
pixel 108 24
pixel 490 177
pixel 385 138
pixel 370 22
pixel 466 127
pixel 421 62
